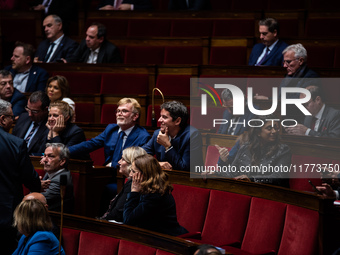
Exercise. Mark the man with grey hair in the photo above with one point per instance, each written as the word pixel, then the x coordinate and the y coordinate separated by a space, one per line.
pixel 268 52
pixel 57 45
pixel 295 62
pixel 298 74
pixel 55 160
pixel 11 94
pixel 16 169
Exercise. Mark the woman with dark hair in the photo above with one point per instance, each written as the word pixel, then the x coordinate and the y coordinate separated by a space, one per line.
pixel 32 220
pixel 261 156
pixel 150 204
pixel 58 89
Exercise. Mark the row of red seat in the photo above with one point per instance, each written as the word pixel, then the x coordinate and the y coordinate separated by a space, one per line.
pixel 318 56
pixel 242 224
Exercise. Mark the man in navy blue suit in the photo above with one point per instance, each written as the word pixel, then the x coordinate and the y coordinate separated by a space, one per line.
pixel 175 143
pixel 117 137
pixel 16 169
pixel 26 76
pixel 57 45
pixel 11 94
pixel 269 51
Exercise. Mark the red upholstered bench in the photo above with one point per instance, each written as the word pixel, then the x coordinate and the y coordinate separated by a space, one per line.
pixel 242 224
pixel 81 242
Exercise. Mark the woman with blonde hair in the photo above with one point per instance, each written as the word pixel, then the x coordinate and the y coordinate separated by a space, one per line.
pixel 150 204
pixel 61 129
pixel 32 220
pixel 116 207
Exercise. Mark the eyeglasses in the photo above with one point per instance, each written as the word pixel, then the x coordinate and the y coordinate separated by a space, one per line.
pixel 289 61
pixel 122 111
pixel 32 111
pixel 12 116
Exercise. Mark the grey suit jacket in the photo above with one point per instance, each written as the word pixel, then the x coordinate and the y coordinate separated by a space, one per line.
pixel 329 124
pixel 52 194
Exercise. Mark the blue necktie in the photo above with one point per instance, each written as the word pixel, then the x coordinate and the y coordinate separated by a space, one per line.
pixel 117 154
pixel 264 57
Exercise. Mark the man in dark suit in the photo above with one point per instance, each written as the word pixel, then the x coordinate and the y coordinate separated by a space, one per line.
pixel 124 5
pixel 26 76
pixel 325 120
pixel 193 5
pixel 54 160
pixel 298 74
pixel 31 125
pixel 57 45
pixel 16 169
pixel 269 51
pixel 176 144
pixel 11 94
pixel 95 48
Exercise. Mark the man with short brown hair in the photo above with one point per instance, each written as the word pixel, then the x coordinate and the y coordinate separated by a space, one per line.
pixel 26 76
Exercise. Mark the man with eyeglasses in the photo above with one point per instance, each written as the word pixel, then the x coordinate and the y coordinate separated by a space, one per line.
pixel 298 74
pixel 269 51
pixel 31 125
pixel 117 137
pixel 325 120
pixel 11 94
pixel 16 169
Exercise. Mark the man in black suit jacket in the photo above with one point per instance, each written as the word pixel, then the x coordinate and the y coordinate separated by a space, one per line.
pixel 95 48
pixel 325 120
pixel 126 5
pixel 36 115
pixel 57 45
pixel 26 76
pixel 16 169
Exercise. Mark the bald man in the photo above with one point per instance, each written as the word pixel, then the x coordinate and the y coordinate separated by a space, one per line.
pixel 38 196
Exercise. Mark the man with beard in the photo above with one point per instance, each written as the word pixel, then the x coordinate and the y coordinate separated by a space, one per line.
pixel 95 48
pixel 26 76
pixel 117 137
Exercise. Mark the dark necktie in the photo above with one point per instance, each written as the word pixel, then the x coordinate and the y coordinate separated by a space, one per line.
pixel 28 138
pixel 118 149
pixel 312 125
pixel 264 57
pixel 49 52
